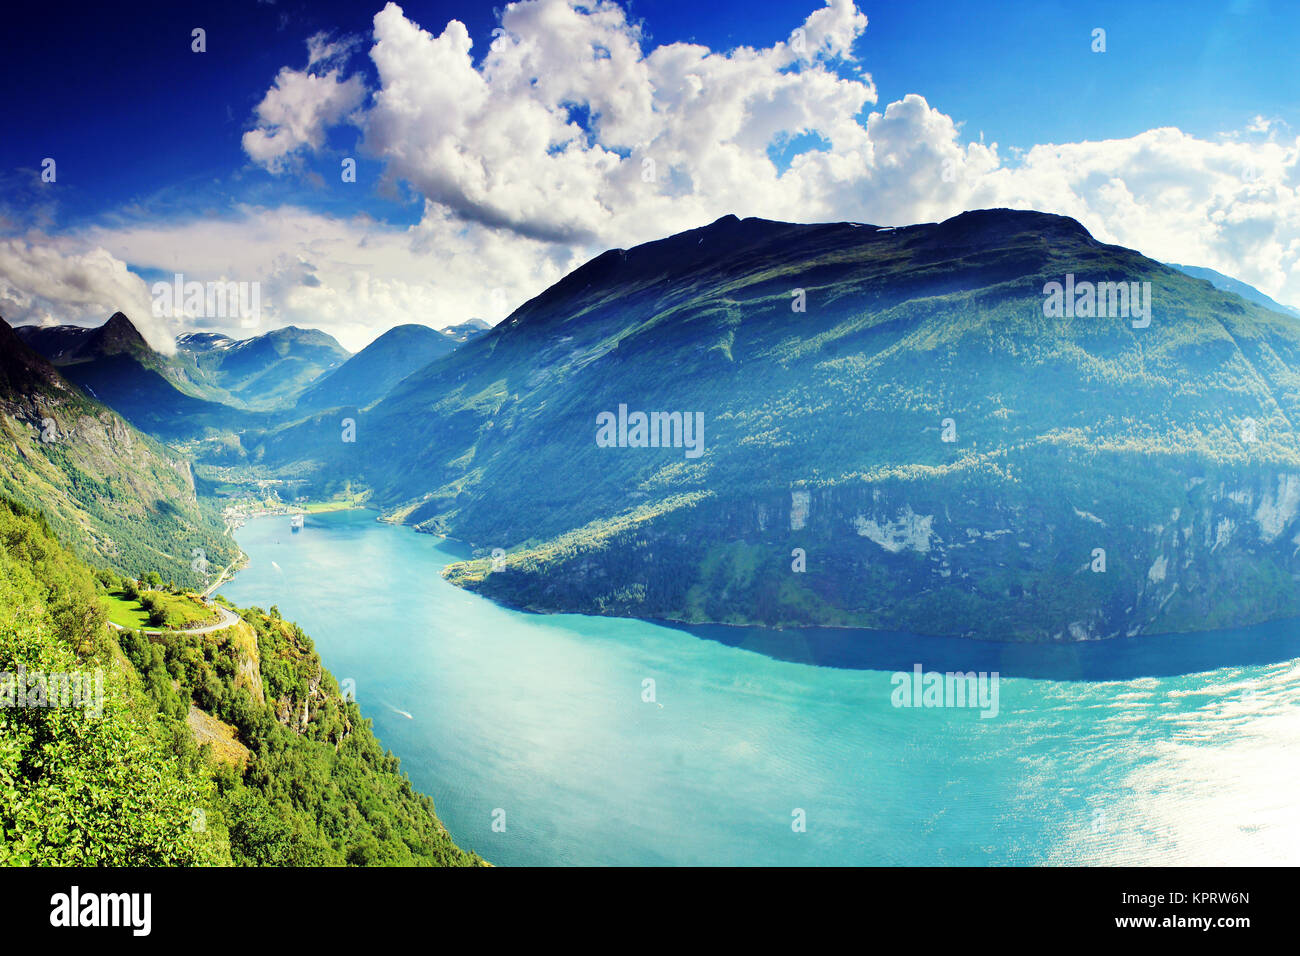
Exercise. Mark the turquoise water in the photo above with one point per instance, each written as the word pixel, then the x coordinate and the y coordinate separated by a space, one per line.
pixel 1128 759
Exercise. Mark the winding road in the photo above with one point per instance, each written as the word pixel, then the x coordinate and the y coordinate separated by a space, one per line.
pixel 228 619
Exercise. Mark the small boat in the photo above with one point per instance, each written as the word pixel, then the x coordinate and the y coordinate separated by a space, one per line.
pixel 296 522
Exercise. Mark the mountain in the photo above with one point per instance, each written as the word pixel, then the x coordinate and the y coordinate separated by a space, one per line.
pixel 214 391
pixel 371 373
pixel 115 495
pixel 118 336
pixel 269 371
pixel 115 365
pixel 203 341
pixel 951 453
pixel 464 331
pixel 55 342
pixel 1229 284
pixel 66 344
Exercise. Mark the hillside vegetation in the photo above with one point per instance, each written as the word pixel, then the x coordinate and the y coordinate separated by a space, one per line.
pixel 117 496
pixel 287 771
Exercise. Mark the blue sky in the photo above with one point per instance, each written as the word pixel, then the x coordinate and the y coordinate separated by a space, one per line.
pixel 133 116
pixel 149 138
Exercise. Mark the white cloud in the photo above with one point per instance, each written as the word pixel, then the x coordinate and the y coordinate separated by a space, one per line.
pixel 329 53
pixel 353 278
pixel 296 112
pixel 517 191
pixel 497 143
pixel 494 143
pixel 1232 206
pixel 49 283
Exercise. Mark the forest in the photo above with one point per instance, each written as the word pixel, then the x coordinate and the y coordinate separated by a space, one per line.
pixel 301 781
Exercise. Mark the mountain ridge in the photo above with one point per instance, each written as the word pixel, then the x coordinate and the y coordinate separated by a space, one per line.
pixel 106 489
pixel 834 419
pixel 1229 284
pixel 371 373
pixel 828 364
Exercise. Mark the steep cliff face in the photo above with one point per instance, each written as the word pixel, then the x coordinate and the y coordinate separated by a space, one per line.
pixel 290 678
pixel 248 661
pixel 297 713
pixel 996 559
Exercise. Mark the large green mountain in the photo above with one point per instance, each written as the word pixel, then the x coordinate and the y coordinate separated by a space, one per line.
pixel 1169 447
pixel 115 495
pixel 371 374
pixel 268 371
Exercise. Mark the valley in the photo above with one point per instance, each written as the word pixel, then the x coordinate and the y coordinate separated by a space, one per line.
pixel 947 449
pixel 557 433
pixel 925 459
pixel 1172 430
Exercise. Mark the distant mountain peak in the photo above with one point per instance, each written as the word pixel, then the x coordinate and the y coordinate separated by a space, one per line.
pixel 464 331
pixel 116 336
pixel 301 334
pixel 203 341
pixel 1226 283
pixel 372 372
pixel 987 226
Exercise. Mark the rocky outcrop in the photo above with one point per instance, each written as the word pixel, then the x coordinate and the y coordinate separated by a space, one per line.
pixel 248 668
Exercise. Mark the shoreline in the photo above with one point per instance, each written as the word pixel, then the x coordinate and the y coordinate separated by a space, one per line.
pixel 235 517
pixel 1129 641
pixel 681 624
